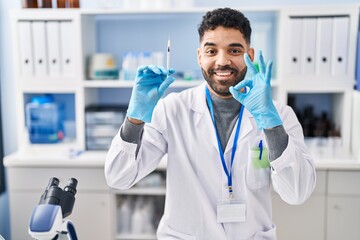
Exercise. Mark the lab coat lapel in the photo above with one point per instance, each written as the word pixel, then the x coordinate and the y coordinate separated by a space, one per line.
pixel 202 118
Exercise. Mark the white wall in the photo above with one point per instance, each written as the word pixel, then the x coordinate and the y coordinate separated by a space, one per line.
pixel 8 86
pixel 7 101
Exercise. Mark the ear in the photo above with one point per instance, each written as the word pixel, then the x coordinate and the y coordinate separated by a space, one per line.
pixel 199 56
pixel 251 53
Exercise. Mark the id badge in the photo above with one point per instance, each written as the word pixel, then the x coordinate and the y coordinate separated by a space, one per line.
pixel 231 211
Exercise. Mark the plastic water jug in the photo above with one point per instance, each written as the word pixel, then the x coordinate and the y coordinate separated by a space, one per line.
pixel 44 120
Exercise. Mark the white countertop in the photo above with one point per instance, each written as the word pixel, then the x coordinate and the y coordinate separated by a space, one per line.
pixel 53 159
pixel 337 164
pixel 97 159
pixel 60 159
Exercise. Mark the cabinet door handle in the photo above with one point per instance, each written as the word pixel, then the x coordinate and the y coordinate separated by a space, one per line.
pixel 336 207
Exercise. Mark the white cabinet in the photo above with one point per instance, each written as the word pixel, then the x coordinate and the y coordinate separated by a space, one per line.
pixel 331 213
pixel 305 221
pixel 92 215
pixel 343 208
pixel 317 71
pixel 21 205
pixel 304 42
pixel 44 62
pixel 140 208
pixel 343 217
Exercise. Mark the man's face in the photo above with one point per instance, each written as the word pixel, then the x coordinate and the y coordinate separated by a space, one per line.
pixel 221 58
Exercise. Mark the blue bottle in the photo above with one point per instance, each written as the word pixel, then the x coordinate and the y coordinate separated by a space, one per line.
pixel 44 120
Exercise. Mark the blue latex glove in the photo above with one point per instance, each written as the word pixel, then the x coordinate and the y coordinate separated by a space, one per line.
pixel 257 97
pixel 150 84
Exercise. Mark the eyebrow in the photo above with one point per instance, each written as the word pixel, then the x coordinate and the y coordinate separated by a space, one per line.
pixel 211 44
pixel 236 45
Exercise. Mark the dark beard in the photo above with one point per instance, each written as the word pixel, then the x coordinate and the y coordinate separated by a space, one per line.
pixel 240 75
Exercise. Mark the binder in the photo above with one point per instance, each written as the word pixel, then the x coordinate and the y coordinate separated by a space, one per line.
pixel 324 41
pixel 308 46
pixel 295 45
pixel 53 46
pixel 340 45
pixel 39 43
pixel 25 49
pixel 358 64
pixel 66 46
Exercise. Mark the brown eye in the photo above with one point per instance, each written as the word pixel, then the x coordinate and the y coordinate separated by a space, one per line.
pixel 235 51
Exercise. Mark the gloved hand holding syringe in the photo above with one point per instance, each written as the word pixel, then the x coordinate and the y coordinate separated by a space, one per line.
pixel 150 85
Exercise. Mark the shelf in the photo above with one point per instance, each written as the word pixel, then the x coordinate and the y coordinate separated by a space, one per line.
pixel 108 83
pixel 171 10
pixel 129 84
pixel 44 13
pixel 49 85
pixel 136 236
pixel 57 13
pixel 157 191
pixel 312 85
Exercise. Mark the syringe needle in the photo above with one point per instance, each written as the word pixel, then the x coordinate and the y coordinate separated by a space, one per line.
pixel 168 54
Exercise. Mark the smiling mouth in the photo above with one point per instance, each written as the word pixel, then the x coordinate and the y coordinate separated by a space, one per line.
pixel 224 73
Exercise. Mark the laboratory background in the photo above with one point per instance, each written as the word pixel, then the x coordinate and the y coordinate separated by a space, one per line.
pixel 66 76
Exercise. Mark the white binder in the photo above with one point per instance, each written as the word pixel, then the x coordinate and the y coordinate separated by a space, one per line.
pixel 53 46
pixel 324 41
pixel 39 43
pixel 308 50
pixel 66 37
pixel 340 45
pixel 295 34
pixel 25 49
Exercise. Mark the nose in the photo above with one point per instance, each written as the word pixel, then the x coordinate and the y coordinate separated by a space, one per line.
pixel 223 59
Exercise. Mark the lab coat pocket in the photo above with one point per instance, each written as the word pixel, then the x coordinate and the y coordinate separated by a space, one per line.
pixel 269 234
pixel 258 170
pixel 173 234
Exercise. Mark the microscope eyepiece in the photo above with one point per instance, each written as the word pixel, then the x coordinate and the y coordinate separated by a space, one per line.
pixel 71 186
pixel 54 182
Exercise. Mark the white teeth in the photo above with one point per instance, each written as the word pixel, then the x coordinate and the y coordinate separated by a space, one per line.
pixel 223 73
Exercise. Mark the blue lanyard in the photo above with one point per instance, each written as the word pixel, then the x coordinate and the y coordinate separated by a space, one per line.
pixel 221 152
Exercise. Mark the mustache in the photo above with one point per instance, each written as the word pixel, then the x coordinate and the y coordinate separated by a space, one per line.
pixel 223 68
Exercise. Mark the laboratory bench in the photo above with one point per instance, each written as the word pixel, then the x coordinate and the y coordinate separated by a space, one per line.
pixel 78 158
pixel 332 211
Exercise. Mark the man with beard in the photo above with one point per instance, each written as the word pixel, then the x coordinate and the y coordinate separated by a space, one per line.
pixel 225 141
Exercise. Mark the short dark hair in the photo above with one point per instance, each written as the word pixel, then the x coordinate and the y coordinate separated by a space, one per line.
pixel 228 18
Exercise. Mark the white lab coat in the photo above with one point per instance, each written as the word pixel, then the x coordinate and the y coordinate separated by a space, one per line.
pixel 182 128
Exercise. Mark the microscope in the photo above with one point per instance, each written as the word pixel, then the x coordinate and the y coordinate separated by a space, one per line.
pixel 47 220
